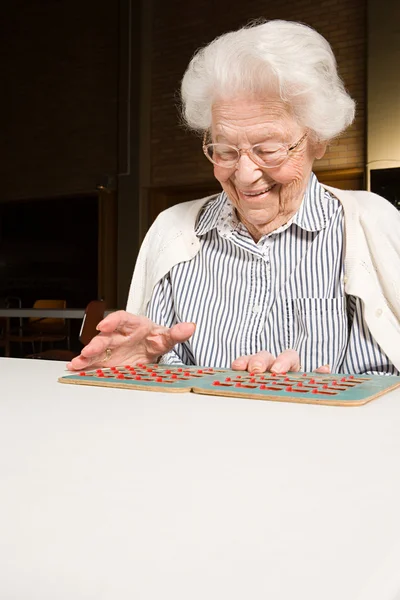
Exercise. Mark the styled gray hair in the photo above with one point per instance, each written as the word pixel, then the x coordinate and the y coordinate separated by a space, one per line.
pixel 281 57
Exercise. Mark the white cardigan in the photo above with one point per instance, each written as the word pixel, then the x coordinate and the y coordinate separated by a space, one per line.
pixel 372 259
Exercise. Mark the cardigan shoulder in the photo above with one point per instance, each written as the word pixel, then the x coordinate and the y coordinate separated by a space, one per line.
pixel 183 214
pixel 365 203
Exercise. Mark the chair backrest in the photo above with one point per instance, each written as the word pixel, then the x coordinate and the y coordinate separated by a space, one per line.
pixel 94 313
pixel 13 302
pixel 49 321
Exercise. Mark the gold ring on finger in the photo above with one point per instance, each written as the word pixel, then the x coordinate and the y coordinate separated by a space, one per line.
pixel 108 355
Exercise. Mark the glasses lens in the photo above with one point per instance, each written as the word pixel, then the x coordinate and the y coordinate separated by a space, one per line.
pixel 269 155
pixel 223 155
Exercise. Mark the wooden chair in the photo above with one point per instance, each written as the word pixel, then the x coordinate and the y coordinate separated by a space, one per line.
pixel 43 329
pixel 94 313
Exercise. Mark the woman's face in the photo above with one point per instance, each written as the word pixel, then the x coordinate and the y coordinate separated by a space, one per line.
pixel 264 198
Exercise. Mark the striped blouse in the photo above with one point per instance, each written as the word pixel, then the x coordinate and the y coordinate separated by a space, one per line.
pixel 284 291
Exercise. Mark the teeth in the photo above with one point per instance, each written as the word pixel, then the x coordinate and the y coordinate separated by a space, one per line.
pixel 259 193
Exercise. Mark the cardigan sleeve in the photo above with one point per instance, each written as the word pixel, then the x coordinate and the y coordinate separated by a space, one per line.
pixel 363 355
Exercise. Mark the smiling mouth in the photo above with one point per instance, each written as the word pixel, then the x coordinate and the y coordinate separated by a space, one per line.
pixel 255 194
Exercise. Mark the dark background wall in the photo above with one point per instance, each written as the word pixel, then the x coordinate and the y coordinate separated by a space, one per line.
pixel 90 96
pixel 60 78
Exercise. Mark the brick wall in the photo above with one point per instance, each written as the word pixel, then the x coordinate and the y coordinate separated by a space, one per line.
pixel 180 27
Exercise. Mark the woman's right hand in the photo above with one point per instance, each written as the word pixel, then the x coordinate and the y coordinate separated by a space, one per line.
pixel 125 338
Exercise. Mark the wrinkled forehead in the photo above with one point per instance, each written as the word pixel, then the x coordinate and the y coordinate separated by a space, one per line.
pixel 253 119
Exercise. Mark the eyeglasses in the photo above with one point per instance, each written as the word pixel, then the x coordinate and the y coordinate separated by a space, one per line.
pixel 267 154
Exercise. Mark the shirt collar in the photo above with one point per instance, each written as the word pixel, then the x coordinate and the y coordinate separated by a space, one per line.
pixel 217 209
pixel 313 214
pixel 316 208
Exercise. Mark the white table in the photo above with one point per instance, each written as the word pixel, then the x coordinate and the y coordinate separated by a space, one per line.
pixel 110 494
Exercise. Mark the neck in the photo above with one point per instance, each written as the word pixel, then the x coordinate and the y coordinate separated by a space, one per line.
pixel 258 231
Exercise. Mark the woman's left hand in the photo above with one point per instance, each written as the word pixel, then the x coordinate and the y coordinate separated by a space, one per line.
pixel 264 361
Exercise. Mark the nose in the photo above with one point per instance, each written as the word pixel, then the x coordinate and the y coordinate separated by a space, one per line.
pixel 247 171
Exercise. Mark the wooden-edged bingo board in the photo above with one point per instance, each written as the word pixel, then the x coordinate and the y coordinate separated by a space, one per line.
pixel 306 388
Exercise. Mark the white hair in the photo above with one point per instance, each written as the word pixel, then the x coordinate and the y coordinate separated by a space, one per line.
pixel 282 57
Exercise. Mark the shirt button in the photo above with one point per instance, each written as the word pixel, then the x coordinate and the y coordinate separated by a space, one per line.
pixel 256 309
pixel 378 312
pixel 345 279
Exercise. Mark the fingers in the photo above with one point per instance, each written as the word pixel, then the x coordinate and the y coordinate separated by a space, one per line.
pixel 181 332
pixel 289 360
pixel 257 363
pixel 323 369
pixel 117 329
pixel 146 340
pixel 240 364
pixel 161 340
pixel 78 363
pixel 121 320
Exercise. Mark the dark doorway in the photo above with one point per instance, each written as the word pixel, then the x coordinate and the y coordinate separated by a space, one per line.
pixel 49 249
pixel 386 183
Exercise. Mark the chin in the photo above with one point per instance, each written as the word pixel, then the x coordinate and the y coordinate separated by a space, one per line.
pixel 259 220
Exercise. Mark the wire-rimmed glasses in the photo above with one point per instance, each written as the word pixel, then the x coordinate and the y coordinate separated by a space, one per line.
pixel 268 154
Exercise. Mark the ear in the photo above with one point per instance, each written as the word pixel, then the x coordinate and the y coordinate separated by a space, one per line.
pixel 320 149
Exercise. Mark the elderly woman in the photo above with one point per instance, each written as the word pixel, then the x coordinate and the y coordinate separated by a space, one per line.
pixel 277 272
